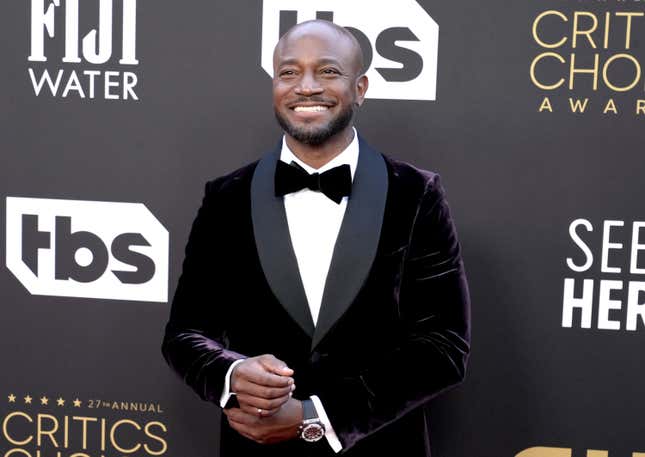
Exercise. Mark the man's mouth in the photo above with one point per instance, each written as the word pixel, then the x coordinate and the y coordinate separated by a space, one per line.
pixel 310 109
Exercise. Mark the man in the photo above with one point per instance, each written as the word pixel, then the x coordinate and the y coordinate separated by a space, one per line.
pixel 323 299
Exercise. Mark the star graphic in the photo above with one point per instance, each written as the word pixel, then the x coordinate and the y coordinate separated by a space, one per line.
pixel 44 400
pixel 77 403
pixel 28 399
pixel 60 402
pixel 12 398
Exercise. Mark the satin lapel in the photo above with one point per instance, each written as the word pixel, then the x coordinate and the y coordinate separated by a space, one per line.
pixel 273 243
pixel 357 240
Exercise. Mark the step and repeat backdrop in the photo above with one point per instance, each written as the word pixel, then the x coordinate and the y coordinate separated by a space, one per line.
pixel 116 112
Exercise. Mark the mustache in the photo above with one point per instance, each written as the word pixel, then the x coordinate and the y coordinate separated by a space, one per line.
pixel 313 98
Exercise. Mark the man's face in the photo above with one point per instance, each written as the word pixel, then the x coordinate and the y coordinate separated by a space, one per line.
pixel 316 87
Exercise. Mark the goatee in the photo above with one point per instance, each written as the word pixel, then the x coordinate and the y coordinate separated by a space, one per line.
pixel 316 137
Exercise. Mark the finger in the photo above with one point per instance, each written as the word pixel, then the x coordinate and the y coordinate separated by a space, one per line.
pixel 261 407
pixel 246 431
pixel 267 393
pixel 275 365
pixel 243 382
pixel 241 417
pixel 245 385
pixel 262 377
pixel 242 429
pixel 258 412
pixel 258 402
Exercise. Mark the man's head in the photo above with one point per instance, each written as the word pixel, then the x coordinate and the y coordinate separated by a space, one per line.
pixel 318 81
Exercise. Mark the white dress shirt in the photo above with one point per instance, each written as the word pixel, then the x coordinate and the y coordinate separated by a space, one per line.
pixel 314 222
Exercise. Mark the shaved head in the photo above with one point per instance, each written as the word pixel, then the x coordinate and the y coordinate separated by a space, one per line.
pixel 320 26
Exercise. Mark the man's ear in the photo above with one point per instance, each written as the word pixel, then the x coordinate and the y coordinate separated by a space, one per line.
pixel 362 83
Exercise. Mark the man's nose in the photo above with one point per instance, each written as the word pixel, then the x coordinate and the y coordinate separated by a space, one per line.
pixel 308 85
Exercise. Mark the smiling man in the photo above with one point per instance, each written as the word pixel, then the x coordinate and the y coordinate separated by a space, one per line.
pixel 323 300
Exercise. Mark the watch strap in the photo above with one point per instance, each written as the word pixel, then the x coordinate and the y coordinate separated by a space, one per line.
pixel 309 410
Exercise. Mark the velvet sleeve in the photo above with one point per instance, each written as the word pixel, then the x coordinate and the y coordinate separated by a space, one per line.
pixel 194 343
pixel 434 311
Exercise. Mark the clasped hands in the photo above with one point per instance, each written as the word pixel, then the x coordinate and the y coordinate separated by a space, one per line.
pixel 267 413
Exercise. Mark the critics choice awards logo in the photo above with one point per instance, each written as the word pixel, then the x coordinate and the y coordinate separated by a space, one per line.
pixel 88 249
pixel 589 60
pixel 399 40
pixel 71 49
pixel 66 426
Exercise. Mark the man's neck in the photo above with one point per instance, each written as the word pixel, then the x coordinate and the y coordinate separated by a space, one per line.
pixel 317 156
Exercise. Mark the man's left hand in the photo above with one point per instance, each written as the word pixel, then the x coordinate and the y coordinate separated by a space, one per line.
pixel 281 426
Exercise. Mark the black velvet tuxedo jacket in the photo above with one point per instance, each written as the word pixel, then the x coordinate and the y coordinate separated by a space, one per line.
pixel 393 329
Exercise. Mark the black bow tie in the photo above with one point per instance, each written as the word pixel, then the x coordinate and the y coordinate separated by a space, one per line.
pixel 334 183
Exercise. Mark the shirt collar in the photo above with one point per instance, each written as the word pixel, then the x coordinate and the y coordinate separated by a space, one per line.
pixel 348 156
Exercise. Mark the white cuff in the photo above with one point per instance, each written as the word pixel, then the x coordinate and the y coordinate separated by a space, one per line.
pixel 226 391
pixel 330 434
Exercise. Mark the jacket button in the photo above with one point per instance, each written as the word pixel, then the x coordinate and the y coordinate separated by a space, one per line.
pixel 317 356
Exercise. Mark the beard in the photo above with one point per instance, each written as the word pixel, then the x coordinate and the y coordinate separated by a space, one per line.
pixel 313 136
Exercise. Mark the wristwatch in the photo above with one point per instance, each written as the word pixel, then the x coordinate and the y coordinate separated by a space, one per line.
pixel 311 429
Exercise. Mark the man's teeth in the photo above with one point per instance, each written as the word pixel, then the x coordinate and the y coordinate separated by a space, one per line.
pixel 309 109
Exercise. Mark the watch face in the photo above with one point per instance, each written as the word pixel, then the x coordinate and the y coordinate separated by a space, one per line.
pixel 313 432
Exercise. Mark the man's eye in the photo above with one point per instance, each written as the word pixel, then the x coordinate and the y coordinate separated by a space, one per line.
pixel 330 71
pixel 287 73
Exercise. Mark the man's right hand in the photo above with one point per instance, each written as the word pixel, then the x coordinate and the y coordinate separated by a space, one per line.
pixel 262 384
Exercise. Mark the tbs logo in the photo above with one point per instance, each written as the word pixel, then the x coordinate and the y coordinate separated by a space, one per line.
pixel 87 249
pixel 399 40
